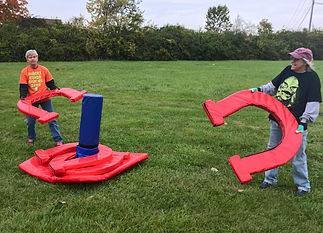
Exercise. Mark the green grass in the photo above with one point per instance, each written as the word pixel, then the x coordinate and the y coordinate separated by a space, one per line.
pixel 155 107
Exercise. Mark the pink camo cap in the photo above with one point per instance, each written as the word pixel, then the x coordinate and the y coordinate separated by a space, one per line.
pixel 302 53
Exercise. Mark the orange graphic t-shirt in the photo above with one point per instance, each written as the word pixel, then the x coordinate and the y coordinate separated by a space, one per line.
pixel 35 78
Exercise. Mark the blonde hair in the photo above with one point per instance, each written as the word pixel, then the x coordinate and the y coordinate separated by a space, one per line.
pixel 309 64
pixel 31 52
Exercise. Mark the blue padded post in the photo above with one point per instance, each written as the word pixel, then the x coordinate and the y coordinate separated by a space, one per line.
pixel 90 125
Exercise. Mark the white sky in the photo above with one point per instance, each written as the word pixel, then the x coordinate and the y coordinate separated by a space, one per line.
pixel 288 14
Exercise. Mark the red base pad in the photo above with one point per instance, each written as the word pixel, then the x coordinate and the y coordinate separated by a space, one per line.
pixel 60 165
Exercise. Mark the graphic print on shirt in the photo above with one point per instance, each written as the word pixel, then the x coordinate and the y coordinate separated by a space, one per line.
pixel 34 80
pixel 287 91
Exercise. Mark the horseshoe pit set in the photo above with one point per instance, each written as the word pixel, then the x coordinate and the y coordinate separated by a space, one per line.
pixel 82 162
pixel 89 161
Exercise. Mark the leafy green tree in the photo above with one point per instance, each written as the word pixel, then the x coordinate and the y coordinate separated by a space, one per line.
pixel 119 14
pixel 13 10
pixel 78 22
pixel 265 27
pixel 269 46
pixel 218 19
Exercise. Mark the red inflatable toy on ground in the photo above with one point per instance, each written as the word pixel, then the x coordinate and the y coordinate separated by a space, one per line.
pixel 258 162
pixel 60 164
pixel 86 161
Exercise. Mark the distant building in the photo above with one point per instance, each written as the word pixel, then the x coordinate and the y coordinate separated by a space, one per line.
pixel 38 22
pixel 53 21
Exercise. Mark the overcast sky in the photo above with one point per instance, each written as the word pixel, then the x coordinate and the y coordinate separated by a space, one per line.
pixel 287 14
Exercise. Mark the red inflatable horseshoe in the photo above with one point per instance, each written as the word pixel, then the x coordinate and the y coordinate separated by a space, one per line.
pixel 25 106
pixel 258 162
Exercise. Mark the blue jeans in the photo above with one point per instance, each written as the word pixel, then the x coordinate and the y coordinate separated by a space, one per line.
pixel 53 125
pixel 299 162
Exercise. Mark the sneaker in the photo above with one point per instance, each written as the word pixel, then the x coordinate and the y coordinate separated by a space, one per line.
pixel 30 141
pixel 301 193
pixel 59 143
pixel 265 185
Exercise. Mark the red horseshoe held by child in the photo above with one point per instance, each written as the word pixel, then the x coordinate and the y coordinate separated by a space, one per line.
pixel 262 161
pixel 25 106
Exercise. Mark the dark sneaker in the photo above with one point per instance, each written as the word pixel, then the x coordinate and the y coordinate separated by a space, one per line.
pixel 265 185
pixel 301 193
pixel 59 143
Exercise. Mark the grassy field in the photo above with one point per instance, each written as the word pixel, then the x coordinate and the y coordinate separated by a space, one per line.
pixel 155 107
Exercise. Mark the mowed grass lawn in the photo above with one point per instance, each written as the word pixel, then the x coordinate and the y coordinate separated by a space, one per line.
pixel 155 107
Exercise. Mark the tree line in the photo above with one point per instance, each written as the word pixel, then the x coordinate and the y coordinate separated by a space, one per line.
pixel 116 32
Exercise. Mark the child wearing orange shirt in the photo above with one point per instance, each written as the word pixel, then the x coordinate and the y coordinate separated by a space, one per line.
pixel 36 78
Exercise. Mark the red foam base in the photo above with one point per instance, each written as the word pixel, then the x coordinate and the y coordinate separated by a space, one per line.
pixel 60 165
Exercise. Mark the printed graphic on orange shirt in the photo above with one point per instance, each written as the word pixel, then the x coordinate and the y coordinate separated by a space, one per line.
pixel 34 80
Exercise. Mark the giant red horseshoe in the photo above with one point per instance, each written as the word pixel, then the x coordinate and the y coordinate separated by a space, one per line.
pixel 25 106
pixel 262 161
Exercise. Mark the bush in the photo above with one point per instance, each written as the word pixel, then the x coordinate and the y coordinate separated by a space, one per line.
pixel 172 42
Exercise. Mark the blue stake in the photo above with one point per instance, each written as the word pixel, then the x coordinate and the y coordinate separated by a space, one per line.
pixel 90 125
